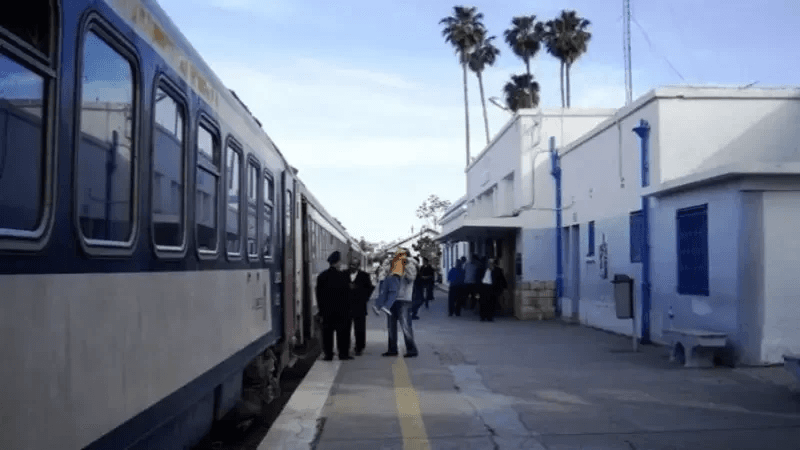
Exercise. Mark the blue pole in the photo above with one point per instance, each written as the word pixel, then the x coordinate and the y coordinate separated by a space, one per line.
pixel 556 172
pixel 643 131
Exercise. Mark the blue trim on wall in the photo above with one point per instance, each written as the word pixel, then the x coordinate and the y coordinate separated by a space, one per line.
pixel 556 172
pixel 643 131
pixel 160 414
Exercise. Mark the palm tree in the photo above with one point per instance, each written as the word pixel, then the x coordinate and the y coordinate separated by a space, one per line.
pixel 566 39
pixel 485 54
pixel 555 48
pixel 464 30
pixel 524 38
pixel 521 92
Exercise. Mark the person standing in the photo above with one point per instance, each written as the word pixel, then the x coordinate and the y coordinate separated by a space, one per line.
pixel 455 279
pixel 359 289
pixel 399 294
pixel 417 295
pixel 493 284
pixel 471 282
pixel 334 309
pixel 427 273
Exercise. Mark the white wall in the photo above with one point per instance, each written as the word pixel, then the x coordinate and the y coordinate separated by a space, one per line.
pixel 710 128
pixel 781 212
pixel 601 182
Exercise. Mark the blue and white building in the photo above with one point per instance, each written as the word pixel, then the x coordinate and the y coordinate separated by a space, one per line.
pixel 693 192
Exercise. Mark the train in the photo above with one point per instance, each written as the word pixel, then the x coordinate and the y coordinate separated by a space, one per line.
pixel 157 250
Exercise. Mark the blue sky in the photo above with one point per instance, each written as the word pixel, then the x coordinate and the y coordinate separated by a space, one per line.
pixel 365 98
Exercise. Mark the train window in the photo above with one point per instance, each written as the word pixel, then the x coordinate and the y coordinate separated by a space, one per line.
pixel 207 190
pixel 105 157
pixel 266 224
pixel 253 175
pixel 22 147
pixel 31 21
pixel 168 171
pixel 233 230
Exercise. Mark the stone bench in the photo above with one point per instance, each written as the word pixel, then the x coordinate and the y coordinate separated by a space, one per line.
pixel 792 364
pixel 695 348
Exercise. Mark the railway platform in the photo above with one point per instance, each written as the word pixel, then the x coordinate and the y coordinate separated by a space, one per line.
pixel 513 384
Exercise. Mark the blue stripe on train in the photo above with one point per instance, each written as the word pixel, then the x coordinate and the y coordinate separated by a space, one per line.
pixel 184 416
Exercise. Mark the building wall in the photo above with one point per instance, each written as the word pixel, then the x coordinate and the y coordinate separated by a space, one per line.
pixel 781 215
pixel 601 182
pixel 706 133
pixel 719 310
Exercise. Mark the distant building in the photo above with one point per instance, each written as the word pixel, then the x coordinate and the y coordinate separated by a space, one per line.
pixel 695 189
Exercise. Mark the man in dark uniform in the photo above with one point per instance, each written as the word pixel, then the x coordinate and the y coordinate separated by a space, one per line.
pixel 334 309
pixel 359 290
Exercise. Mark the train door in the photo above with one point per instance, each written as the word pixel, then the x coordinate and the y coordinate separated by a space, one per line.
pixel 307 319
pixel 299 311
pixel 288 258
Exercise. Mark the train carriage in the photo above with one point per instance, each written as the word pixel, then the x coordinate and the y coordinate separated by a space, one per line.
pixel 150 256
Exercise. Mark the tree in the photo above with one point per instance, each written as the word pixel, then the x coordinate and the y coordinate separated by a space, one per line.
pixel 524 37
pixel 485 54
pixel 521 92
pixel 464 30
pixel 428 248
pixel 566 38
pixel 432 208
pixel 366 247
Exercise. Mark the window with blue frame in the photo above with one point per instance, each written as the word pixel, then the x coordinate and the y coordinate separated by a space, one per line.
pixel 692 232
pixel 637 235
pixel 591 239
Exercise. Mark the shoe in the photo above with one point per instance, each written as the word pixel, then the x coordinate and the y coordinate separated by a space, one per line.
pixel 386 310
pixel 376 310
pixel 358 352
pixel 410 355
pixel 345 358
pixel 414 317
pixel 328 358
pixel 389 354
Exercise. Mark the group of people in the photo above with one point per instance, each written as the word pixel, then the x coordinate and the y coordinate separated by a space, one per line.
pixel 342 296
pixel 475 281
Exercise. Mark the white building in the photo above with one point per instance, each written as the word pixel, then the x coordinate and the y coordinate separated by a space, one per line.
pixel 716 172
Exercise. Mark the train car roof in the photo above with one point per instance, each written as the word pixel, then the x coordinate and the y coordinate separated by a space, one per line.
pixel 154 25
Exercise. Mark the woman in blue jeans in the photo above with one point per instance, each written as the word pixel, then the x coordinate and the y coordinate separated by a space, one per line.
pixel 396 298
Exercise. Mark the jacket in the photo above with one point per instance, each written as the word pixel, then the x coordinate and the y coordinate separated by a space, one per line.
pixel 405 293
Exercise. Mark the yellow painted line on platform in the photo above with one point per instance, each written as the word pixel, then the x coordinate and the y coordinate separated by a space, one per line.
pixel 411 425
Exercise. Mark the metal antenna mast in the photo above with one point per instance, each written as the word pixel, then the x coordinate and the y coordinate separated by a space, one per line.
pixel 626 48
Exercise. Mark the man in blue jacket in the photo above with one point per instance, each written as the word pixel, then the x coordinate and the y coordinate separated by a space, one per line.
pixel 455 278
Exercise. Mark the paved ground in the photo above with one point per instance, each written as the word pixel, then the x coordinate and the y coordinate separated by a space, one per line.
pixel 511 384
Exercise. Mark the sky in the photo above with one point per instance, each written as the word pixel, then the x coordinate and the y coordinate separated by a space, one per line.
pixel 365 98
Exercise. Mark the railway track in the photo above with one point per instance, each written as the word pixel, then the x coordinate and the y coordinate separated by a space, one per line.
pixel 247 436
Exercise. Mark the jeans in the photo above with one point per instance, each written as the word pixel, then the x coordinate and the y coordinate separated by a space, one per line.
pixel 401 311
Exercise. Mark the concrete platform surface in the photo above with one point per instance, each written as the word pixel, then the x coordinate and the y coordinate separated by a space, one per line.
pixel 513 384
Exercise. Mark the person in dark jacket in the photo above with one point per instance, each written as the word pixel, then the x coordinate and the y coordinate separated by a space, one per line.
pixel 334 309
pixel 455 278
pixel 493 283
pixel 418 295
pixel 359 290
pixel 427 273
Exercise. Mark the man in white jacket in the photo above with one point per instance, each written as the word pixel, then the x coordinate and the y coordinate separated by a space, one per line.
pixel 401 310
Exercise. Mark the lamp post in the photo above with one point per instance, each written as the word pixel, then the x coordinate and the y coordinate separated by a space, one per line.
pixel 495 102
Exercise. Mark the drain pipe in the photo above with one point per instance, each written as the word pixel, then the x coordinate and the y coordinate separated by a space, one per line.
pixel 643 131
pixel 556 172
